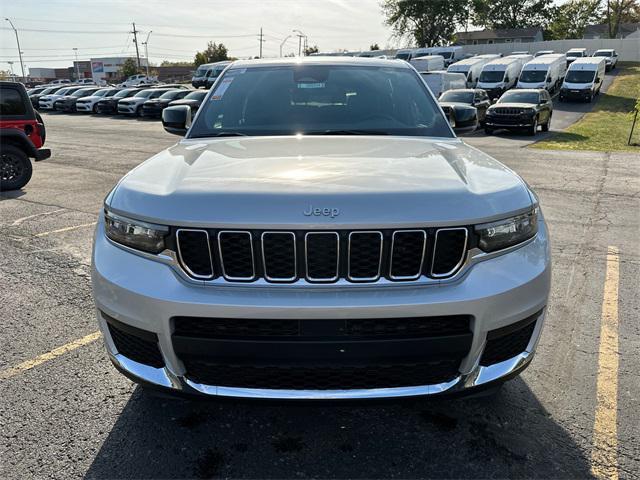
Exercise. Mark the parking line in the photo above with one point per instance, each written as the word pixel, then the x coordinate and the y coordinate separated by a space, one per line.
pixel 45 357
pixel 604 456
pixel 66 229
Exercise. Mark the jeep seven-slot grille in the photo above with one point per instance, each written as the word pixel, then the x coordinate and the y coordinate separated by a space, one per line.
pixel 321 256
pixel 508 111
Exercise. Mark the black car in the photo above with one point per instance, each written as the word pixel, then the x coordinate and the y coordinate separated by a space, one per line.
pixel 35 97
pixel 109 105
pixel 193 100
pixel 154 106
pixel 520 110
pixel 68 102
pixel 474 97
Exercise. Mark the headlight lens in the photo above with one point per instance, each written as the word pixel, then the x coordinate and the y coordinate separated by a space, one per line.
pixel 143 236
pixel 508 232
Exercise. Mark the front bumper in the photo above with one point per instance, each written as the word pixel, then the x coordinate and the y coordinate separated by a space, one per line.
pixel 148 295
pixel 45 104
pixel 64 106
pixel 576 94
pixel 497 122
pixel 127 109
pixel 84 107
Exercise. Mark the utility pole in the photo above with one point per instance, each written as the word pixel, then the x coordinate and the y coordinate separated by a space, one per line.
pixel 135 40
pixel 19 51
pixel 75 51
pixel 300 37
pixel 283 42
pixel 261 41
pixel 146 51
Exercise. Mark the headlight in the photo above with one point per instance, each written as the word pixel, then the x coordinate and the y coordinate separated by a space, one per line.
pixel 134 233
pixel 508 232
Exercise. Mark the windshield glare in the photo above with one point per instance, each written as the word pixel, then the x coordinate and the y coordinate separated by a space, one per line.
pixel 493 76
pixel 519 97
pixel 170 95
pixel 603 53
pixel 574 54
pixel 403 56
pixel 459 97
pixel 201 71
pixel 532 76
pixel 580 76
pixel 196 95
pixel 320 99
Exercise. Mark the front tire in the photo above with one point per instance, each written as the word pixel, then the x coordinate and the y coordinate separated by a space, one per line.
pixel 488 130
pixel 546 126
pixel 533 129
pixel 15 168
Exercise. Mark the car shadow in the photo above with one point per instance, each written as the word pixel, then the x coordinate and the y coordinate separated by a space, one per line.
pixel 506 435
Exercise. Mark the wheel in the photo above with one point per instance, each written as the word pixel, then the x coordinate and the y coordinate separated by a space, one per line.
pixel 533 128
pixel 95 108
pixel 488 130
pixel 139 111
pixel 546 126
pixel 15 168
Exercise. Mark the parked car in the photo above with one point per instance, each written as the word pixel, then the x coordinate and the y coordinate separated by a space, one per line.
pixel 133 105
pixel 428 63
pixel 154 106
pixel 441 81
pixel 85 81
pixel 35 97
pixel 584 79
pixel 206 74
pixel 35 90
pixel 471 67
pixel 408 53
pixel 610 57
pixel 139 79
pixel 574 53
pixel 61 81
pixel 46 101
pixel 546 71
pixel 68 102
pixel 305 181
pixel 193 100
pixel 473 97
pixel 500 75
pixel 109 105
pixel 520 110
pixel 89 104
pixel 22 135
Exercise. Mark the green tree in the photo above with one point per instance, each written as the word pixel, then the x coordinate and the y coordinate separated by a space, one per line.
pixel 374 46
pixel 168 63
pixel 430 23
pixel 129 67
pixel 213 53
pixel 620 11
pixel 310 50
pixel 497 14
pixel 570 19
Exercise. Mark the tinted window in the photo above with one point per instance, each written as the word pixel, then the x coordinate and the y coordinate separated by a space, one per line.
pixel 144 94
pixel 460 97
pixel 532 76
pixel 199 95
pixel 603 53
pixel 171 95
pixel 11 102
pixel 519 97
pixel 156 93
pixel 200 71
pixel 492 76
pixel 314 99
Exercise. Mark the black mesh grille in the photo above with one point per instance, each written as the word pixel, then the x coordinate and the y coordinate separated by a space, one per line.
pixel 321 377
pixel 407 253
pixel 449 250
pixel 279 253
pixel 322 256
pixel 508 111
pixel 136 348
pixel 416 327
pixel 195 253
pixel 236 255
pixel 234 327
pixel 365 250
pixel 502 346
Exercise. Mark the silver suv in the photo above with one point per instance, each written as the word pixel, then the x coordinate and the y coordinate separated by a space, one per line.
pixel 320 233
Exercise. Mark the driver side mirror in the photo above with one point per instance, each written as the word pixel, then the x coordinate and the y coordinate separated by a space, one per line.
pixel 177 119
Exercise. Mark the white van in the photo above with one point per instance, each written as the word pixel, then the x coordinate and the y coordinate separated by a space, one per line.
pixel 546 72
pixel 471 67
pixel 584 79
pixel 500 75
pixel 441 81
pixel 428 63
pixel 450 54
pixel 575 53
pixel 408 53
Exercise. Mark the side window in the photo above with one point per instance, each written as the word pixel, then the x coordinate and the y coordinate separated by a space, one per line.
pixel 11 102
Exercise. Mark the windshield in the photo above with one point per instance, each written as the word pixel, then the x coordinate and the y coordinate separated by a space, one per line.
pixel 492 76
pixel 196 95
pixel 457 96
pixel 144 94
pixel 519 97
pixel 201 71
pixel 102 93
pixel 403 56
pixel 171 94
pixel 83 92
pixel 603 53
pixel 63 91
pixel 157 93
pixel 124 93
pixel 444 54
pixel 574 54
pixel 580 76
pixel 320 99
pixel 533 76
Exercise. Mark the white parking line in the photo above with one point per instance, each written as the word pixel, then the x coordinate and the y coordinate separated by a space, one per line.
pixel 23 219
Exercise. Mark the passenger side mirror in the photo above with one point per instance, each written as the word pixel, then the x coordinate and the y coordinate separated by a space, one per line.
pixel 506 79
pixel 463 119
pixel 549 79
pixel 177 119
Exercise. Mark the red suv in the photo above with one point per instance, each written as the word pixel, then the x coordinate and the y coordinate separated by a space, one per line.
pixel 22 135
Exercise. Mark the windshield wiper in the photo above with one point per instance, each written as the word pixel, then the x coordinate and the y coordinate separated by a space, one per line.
pixel 220 134
pixel 346 132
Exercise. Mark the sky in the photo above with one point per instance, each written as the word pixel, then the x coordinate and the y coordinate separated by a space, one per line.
pixel 49 30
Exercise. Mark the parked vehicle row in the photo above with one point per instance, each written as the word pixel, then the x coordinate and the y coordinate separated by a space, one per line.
pixel 207 73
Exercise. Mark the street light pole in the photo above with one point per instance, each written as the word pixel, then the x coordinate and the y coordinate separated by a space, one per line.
pixel 75 51
pixel 146 51
pixel 18 42
pixel 300 37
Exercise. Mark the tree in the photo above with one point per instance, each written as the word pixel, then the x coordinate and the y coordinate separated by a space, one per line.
pixel 496 14
pixel 430 23
pixel 168 63
pixel 620 11
pixel 129 67
pixel 570 19
pixel 213 53
pixel 310 50
pixel 374 46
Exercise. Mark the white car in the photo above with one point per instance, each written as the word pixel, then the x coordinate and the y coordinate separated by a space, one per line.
pixel 62 81
pixel 85 81
pixel 139 79
pixel 46 102
pixel 133 105
pixel 610 56
pixel 89 104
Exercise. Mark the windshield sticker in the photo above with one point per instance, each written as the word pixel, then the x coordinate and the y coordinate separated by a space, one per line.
pixel 222 88
pixel 311 85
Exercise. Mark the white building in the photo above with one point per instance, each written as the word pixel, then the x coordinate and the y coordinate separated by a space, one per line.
pixel 107 69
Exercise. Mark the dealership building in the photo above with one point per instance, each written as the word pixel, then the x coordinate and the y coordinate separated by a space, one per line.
pixel 102 70
pixel 108 69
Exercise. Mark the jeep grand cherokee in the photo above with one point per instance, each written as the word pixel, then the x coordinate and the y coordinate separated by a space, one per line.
pixel 320 233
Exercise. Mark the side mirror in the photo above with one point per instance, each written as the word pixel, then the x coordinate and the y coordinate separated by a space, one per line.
pixel 177 119
pixel 548 79
pixel 463 119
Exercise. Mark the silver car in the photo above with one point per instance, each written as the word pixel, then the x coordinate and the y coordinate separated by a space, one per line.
pixel 320 233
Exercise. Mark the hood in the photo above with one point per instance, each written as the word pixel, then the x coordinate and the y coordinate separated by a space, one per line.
pixel 90 97
pixel 453 104
pixel 512 105
pixel 270 181
pixel 185 101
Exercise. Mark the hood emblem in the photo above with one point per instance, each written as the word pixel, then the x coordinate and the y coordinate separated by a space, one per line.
pixel 321 212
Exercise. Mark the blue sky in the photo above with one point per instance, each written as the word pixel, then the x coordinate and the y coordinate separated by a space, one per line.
pixel 180 28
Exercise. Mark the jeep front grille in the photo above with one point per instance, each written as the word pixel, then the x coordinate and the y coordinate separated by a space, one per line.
pixel 320 256
pixel 508 111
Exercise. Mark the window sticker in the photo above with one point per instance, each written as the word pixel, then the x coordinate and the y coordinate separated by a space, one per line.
pixel 311 85
pixel 222 88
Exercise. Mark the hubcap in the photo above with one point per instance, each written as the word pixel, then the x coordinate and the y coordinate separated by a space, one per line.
pixel 10 167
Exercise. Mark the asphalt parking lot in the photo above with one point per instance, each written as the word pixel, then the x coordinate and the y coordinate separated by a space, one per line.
pixel 67 413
